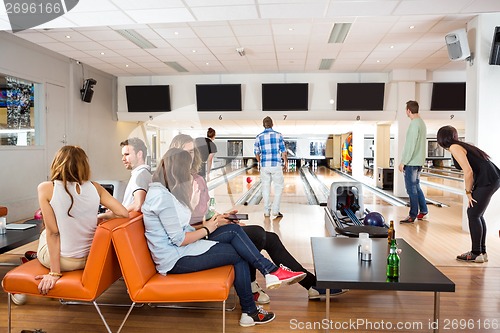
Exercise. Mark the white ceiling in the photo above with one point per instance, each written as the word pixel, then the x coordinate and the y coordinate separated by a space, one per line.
pixel 278 36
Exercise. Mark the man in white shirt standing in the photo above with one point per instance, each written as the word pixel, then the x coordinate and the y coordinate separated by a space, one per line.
pixel 134 154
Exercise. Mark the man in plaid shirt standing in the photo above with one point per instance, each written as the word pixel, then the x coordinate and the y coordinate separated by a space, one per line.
pixel 269 149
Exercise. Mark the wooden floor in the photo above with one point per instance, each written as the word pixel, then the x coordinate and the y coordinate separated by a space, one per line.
pixel 474 307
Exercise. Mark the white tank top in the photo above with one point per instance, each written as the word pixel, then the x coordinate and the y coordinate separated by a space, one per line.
pixel 76 231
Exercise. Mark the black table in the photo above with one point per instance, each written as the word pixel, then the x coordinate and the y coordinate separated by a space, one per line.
pixel 14 238
pixel 338 266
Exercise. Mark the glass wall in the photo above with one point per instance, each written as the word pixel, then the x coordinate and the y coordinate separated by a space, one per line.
pixel 17 112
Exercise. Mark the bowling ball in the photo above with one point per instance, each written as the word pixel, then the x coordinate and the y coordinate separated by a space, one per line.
pixel 249 180
pixel 375 219
pixel 38 214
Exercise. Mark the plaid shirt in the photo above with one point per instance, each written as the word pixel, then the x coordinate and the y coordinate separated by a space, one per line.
pixel 269 145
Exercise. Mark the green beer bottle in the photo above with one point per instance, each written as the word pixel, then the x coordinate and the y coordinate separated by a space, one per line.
pixel 211 209
pixel 393 262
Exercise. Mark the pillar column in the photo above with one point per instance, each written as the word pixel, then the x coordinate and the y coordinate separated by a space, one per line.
pixel 483 100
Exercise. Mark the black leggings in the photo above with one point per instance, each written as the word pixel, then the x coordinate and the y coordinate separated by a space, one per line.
pixel 477 224
pixel 269 241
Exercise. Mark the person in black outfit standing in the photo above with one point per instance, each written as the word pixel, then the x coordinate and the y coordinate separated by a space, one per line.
pixel 482 180
pixel 207 149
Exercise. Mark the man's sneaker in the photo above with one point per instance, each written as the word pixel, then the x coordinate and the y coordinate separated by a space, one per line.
pixel 318 293
pixel 267 214
pixel 257 318
pixel 422 216
pixel 283 274
pixel 471 257
pixel 277 215
pixel 259 295
pixel 19 299
pixel 408 219
pixel 485 256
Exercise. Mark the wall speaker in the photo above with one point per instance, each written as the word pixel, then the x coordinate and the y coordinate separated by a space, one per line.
pixel 87 92
pixel 458 47
pixel 495 48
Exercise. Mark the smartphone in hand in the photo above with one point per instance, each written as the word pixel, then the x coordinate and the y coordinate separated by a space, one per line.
pixel 237 217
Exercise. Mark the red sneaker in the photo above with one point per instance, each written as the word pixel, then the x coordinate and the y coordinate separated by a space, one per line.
pixel 422 216
pixel 30 255
pixel 283 274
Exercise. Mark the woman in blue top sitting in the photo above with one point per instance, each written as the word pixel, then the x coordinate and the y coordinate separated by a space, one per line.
pixel 176 247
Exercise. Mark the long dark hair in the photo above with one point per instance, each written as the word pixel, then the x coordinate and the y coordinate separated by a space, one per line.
pixel 174 173
pixel 448 135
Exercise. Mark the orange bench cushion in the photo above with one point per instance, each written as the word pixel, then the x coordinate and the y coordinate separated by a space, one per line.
pixel 205 286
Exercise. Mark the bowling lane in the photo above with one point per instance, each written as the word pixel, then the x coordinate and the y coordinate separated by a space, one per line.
pixel 294 192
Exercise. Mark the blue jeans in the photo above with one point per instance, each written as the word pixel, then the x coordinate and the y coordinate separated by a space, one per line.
pixel 412 183
pixel 275 175
pixel 233 248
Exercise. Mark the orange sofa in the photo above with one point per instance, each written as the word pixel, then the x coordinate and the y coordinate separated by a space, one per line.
pixel 146 285
pixel 101 271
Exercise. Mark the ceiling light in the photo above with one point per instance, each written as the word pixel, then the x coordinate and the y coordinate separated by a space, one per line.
pixel 339 32
pixel 412 27
pixel 194 51
pixel 102 53
pixel 241 51
pixel 68 36
pixel 392 46
pixel 291 48
pixel 326 64
pixel 136 38
pixel 126 65
pixel 291 29
pixel 175 65
pixel 176 32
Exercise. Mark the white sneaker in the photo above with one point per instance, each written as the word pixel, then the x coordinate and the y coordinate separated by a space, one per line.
pixel 485 257
pixel 19 299
pixel 259 295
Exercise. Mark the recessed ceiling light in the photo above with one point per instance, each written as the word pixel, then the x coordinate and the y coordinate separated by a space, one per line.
pixel 412 27
pixel 392 46
pixel 291 29
pixel 102 53
pixel 332 101
pixel 378 61
pixel 126 65
pixel 68 36
pixel 291 49
pixel 207 63
pixel 194 51
pixel 176 32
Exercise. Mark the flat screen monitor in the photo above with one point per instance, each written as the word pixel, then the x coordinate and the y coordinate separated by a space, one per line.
pixel 285 96
pixel 360 96
pixel 218 97
pixel 153 98
pixel 448 96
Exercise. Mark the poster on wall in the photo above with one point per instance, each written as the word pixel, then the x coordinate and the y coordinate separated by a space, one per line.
pixel 347 154
pixel 291 148
pixel 317 148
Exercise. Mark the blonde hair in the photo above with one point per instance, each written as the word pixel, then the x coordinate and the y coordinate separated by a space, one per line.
pixel 70 164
